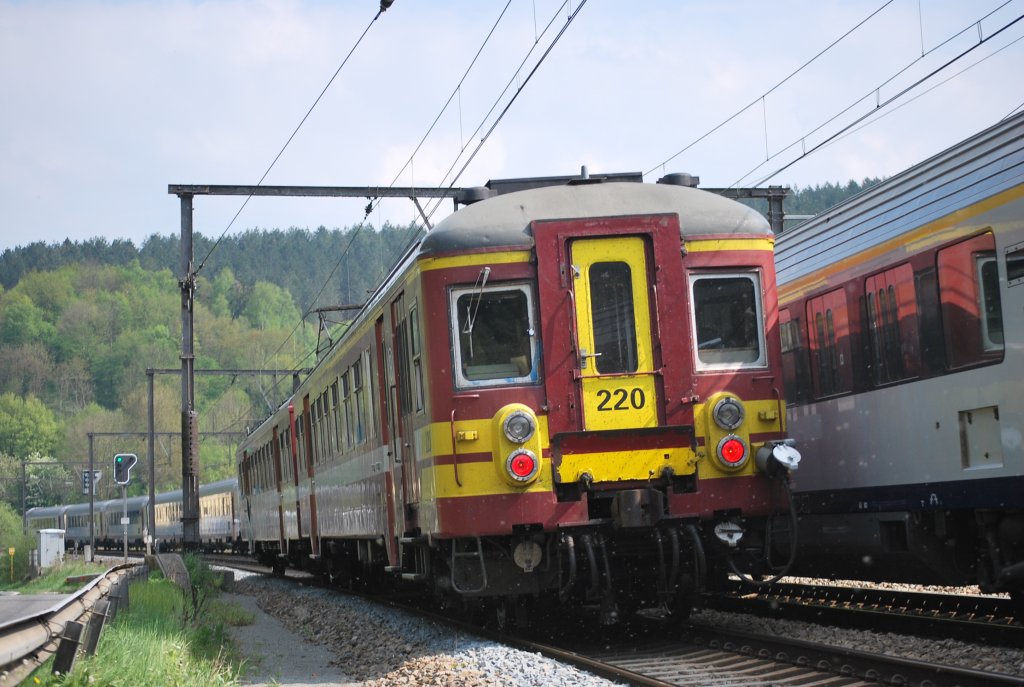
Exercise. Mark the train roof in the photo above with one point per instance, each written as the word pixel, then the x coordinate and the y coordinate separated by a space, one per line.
pixel 979 167
pixel 134 502
pixel 504 220
pixel 80 508
pixel 44 511
pixel 219 486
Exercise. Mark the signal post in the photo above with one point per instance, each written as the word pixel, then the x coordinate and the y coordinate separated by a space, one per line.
pixel 123 464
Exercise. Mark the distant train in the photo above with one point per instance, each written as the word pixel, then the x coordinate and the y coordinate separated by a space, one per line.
pixel 568 392
pixel 902 324
pixel 220 527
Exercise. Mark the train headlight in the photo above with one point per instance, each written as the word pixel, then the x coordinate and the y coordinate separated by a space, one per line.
pixel 522 465
pixel 728 413
pixel 519 426
pixel 732 452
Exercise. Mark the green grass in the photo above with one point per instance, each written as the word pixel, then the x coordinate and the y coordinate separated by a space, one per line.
pixel 53 579
pixel 148 644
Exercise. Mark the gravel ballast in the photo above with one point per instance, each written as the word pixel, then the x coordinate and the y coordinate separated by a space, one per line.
pixel 376 645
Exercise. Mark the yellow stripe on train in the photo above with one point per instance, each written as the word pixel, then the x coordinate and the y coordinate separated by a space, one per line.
pixel 617 466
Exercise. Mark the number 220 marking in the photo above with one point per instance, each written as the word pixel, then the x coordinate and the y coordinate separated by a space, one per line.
pixel 623 399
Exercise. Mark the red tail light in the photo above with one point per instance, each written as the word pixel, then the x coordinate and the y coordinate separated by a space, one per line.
pixel 522 465
pixel 732 452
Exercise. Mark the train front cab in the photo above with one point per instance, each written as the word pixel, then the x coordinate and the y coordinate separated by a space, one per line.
pixel 633 447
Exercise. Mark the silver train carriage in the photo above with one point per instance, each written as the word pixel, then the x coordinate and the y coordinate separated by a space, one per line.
pixel 902 325
pixel 222 527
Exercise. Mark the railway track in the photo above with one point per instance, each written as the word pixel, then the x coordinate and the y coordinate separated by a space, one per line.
pixel 643 653
pixel 974 618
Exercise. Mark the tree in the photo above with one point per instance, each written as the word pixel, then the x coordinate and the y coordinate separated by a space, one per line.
pixel 270 307
pixel 27 426
pixel 26 369
pixel 13 537
pixel 23 322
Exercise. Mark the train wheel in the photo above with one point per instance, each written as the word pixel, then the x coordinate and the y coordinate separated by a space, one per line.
pixel 678 610
pixel 510 614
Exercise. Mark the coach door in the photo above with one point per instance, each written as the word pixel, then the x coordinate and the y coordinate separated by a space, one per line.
pixel 613 333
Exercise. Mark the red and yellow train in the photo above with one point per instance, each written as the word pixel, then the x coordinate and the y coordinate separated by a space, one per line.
pixel 568 391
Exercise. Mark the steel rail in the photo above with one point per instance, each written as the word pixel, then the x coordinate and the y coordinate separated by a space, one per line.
pixel 970 618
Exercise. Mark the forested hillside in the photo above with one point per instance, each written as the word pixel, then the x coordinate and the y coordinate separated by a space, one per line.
pixel 81 322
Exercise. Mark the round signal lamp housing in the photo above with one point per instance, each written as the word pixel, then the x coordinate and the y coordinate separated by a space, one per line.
pixel 522 465
pixel 732 452
pixel 519 426
pixel 728 413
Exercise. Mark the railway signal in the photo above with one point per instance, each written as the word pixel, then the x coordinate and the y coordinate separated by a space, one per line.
pixel 90 482
pixel 123 464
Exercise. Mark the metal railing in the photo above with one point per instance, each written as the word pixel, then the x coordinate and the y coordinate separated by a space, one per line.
pixel 63 630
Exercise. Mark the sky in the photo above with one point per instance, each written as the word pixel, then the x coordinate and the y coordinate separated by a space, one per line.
pixel 106 102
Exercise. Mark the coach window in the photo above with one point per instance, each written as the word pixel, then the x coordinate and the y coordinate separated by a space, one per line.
pixel 1015 265
pixel 972 317
pixel 727 321
pixel 371 418
pixel 789 333
pixel 336 412
pixel 891 311
pixel 316 432
pixel 300 436
pixel 495 338
pixel 416 356
pixel 829 342
pixel 346 395
pixel 360 402
pixel 328 420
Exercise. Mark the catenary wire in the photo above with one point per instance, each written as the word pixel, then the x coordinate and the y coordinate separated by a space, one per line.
pixel 508 105
pixel 929 90
pixel 867 115
pixel 444 108
pixel 415 230
pixel 369 208
pixel 277 157
pixel 770 90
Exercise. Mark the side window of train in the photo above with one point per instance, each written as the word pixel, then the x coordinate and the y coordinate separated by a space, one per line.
pixel 494 337
pixel 336 412
pixel 1015 265
pixel 368 374
pixel 359 404
pixel 892 328
pixel 829 341
pixel 794 360
pixel 728 324
pixel 346 396
pixel 972 316
pixel 415 356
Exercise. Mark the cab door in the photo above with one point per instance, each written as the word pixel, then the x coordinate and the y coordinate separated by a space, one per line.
pixel 610 284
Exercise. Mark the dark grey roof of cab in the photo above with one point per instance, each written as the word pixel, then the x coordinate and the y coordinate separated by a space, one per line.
pixel 505 220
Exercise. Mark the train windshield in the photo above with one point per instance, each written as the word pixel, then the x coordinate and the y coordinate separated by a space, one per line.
pixel 495 335
pixel 727 320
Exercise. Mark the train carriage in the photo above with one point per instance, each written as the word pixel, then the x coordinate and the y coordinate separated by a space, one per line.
pixel 218 516
pixel 167 512
pixel 76 519
pixel 902 317
pixel 45 518
pixel 572 390
pixel 113 532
